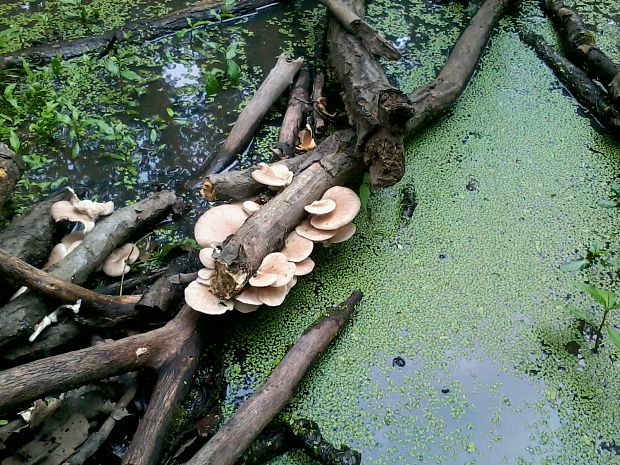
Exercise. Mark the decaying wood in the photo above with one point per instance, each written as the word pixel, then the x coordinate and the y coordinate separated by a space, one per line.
pixel 432 100
pixel 18 317
pixel 276 82
pixel 265 231
pixel 586 91
pixel 240 185
pixel 377 110
pixel 137 33
pixel 372 39
pixel 581 47
pixel 11 167
pixel 237 434
pixel 317 93
pixel 293 119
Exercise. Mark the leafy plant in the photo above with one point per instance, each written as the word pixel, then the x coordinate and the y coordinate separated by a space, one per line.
pixel 596 251
pixel 232 71
pixel 614 200
pixel 609 301
pixel 364 193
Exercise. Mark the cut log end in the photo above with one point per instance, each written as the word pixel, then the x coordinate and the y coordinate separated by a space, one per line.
pixel 395 109
pixel 384 156
pixel 208 190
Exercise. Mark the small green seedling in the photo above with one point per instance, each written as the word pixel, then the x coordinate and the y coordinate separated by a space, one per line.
pixel 609 301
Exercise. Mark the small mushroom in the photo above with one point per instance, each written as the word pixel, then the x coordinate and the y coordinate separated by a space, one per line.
pixel 347 206
pixel 278 264
pixel 342 234
pixel 200 298
pixel 250 207
pixel 321 207
pixel 64 210
pixel 205 275
pixel 306 141
pixel 276 175
pixel 64 248
pixel 262 279
pixel 304 267
pixel 305 229
pixel 245 308
pixel 205 256
pixel 272 296
pixel 248 300
pixel 296 247
pixel 93 209
pixel 217 223
pixel 117 263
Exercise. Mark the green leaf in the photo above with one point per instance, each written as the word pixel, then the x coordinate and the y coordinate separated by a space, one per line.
pixel 75 150
pixel 130 75
pixel 614 336
pixel 4 422
pixel 153 135
pixel 580 314
pixel 14 141
pixel 365 192
pixel 231 51
pixel 112 67
pixel 607 203
pixel 604 297
pixel 575 265
pixel 170 112
pixel 212 83
pixel 233 71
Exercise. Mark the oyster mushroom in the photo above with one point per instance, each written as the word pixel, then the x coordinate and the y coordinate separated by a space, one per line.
pixel 248 300
pixel 347 206
pixel 205 256
pixel 117 263
pixel 276 175
pixel 321 207
pixel 342 234
pixel 296 247
pixel 305 229
pixel 217 223
pixel 275 264
pixel 205 275
pixel 64 248
pixel 304 267
pixel 200 298
pixel 272 296
pixel 250 207
pixel 83 211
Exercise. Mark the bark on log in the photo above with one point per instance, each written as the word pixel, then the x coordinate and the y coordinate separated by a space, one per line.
pixel 265 231
pixel 317 93
pixel 276 82
pixel 18 317
pixel 240 185
pixel 433 99
pixel 294 117
pixel 586 91
pixel 137 32
pixel 237 434
pixel 11 168
pixel 378 111
pixel 372 39
pixel 581 46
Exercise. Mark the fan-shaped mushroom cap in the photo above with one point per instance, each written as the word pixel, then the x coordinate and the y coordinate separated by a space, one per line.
pixel 250 207
pixel 277 264
pixel 296 247
pixel 93 209
pixel 217 223
pixel 245 308
pixel 262 279
pixel 305 229
pixel 276 175
pixel 272 296
pixel 200 298
pixel 64 248
pixel 306 141
pixel 347 206
pixel 64 210
pixel 321 207
pixel 342 234
pixel 117 262
pixel 249 295
pixel 206 259
pixel 205 275
pixel 304 267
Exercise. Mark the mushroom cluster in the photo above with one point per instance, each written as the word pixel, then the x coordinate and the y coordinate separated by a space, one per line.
pixel 330 223
pixel 275 176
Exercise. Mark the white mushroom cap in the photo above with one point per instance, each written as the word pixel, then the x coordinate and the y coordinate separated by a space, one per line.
pixel 64 210
pixel 262 279
pixel 64 248
pixel 245 308
pixel 117 262
pixel 342 234
pixel 304 267
pixel 205 275
pixel 272 296
pixel 206 259
pixel 321 207
pixel 276 175
pixel 93 209
pixel 249 295
pixel 305 229
pixel 200 298
pixel 217 223
pixel 277 264
pixel 296 247
pixel 347 206
pixel 250 207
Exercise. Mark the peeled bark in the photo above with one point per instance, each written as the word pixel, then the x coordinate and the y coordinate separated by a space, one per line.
pixel 137 32
pixel 372 39
pixel 294 117
pixel 11 167
pixel 18 317
pixel 581 47
pixel 276 82
pixel 265 231
pixel 586 91
pixel 237 434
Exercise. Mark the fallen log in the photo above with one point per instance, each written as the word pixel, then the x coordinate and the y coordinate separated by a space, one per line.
pixel 370 38
pixel 276 82
pixel 294 116
pixel 136 33
pixel 11 168
pixel 242 253
pixel 432 100
pixel 378 112
pixel 18 317
pixel 581 46
pixel 245 425
pixel 586 91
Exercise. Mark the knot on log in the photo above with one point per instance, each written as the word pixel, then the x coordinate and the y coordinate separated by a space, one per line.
pixel 395 109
